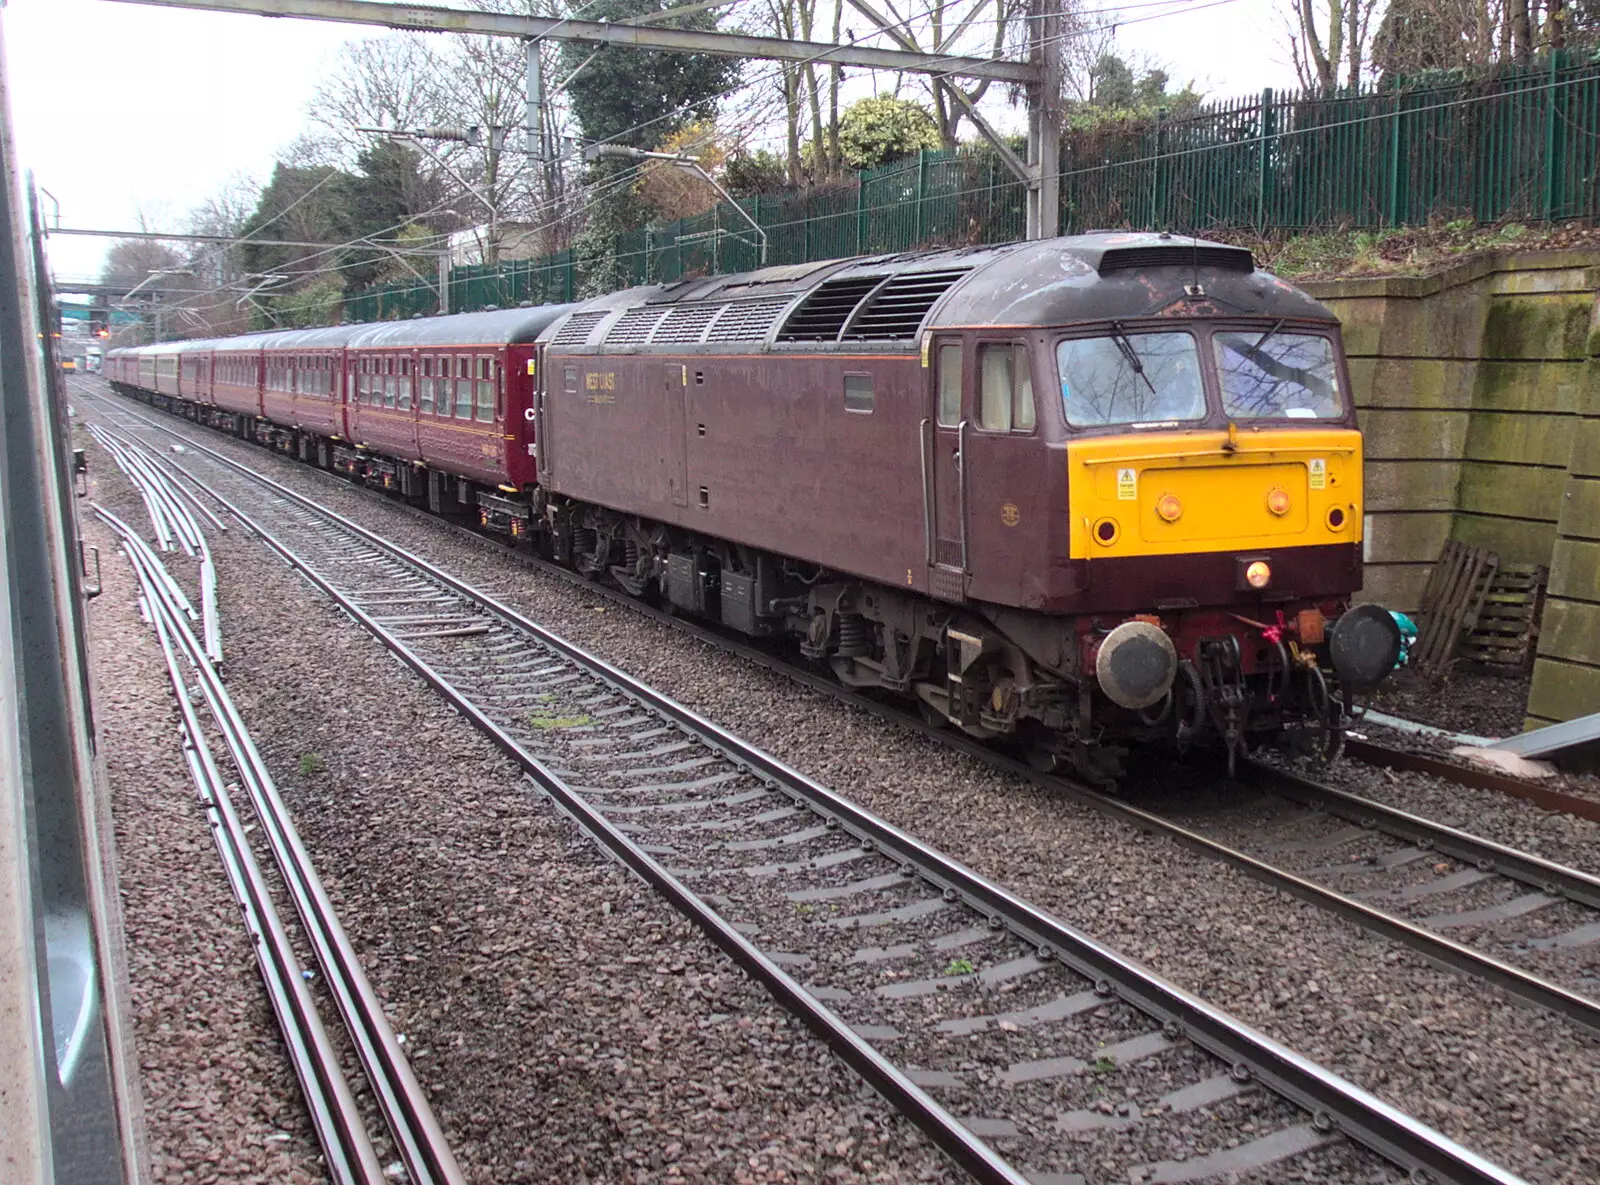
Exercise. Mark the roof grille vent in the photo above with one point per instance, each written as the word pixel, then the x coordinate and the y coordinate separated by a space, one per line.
pixel 686 323
pixel 1138 259
pixel 823 314
pixel 747 320
pixel 576 331
pixel 898 309
pixel 634 326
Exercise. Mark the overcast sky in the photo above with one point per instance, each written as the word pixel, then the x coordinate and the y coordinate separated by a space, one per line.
pixel 123 109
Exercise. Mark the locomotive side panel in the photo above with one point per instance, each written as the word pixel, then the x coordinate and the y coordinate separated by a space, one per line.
pixel 815 457
pixel 614 433
pixel 819 456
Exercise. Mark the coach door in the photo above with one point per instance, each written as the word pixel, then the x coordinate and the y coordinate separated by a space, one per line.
pixel 944 434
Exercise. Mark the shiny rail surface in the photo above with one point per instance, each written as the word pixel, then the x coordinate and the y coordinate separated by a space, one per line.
pixel 910 966
pixel 340 1128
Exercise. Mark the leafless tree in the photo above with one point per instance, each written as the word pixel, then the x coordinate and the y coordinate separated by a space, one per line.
pixel 985 28
pixel 1330 41
pixel 393 81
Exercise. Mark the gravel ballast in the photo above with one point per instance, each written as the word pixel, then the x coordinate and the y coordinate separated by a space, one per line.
pixel 565 1022
pixel 1514 1084
pixel 220 1100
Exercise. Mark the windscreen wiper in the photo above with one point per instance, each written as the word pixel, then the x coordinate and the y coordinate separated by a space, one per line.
pixel 1265 337
pixel 1128 353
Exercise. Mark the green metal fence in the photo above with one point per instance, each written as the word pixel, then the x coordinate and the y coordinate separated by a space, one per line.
pixel 1519 143
pixel 1516 144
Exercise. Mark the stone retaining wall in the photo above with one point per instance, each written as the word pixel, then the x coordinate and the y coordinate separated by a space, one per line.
pixel 1478 390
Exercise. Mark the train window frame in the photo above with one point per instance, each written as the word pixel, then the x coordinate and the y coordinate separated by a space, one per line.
pixel 485 393
pixel 569 379
pixel 1277 336
pixel 464 387
pixel 861 400
pixel 1019 389
pixel 1199 344
pixel 445 395
pixel 943 375
pixel 402 397
pixel 425 384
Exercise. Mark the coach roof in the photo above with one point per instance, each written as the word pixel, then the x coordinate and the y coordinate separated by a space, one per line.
pixel 502 327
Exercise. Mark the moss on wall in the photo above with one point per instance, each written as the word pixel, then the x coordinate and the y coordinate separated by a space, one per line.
pixel 1478 389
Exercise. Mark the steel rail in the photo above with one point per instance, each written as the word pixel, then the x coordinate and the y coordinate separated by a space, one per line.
pixel 1546 797
pixel 1334 1103
pixel 405 1108
pixel 157 490
pixel 943 1129
pixel 1441 949
pixel 335 1117
pixel 1556 880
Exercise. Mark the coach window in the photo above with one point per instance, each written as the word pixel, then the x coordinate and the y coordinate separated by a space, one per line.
pixel 485 390
pixel 403 395
pixel 858 393
pixel 389 382
pixel 446 397
pixel 949 385
pixel 463 387
pixel 1005 389
pixel 425 384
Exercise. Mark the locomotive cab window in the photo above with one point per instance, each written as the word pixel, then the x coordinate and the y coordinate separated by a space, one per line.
pixel 949 386
pixel 1278 375
pixel 1005 389
pixel 858 395
pixel 1130 378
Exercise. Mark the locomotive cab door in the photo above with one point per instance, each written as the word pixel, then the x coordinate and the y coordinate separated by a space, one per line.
pixel 944 431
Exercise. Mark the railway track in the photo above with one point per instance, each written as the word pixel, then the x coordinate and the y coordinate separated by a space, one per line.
pixel 351 1151
pixel 1533 925
pixel 1022 1047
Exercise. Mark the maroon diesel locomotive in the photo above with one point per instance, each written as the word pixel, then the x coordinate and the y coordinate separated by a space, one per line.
pixel 1080 493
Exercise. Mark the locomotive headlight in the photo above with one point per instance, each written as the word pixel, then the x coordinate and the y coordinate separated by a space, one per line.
pixel 1258 574
pixel 1169 508
pixel 1278 502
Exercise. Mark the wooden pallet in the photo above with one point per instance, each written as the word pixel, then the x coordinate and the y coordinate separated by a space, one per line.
pixel 1457 588
pixel 1506 632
